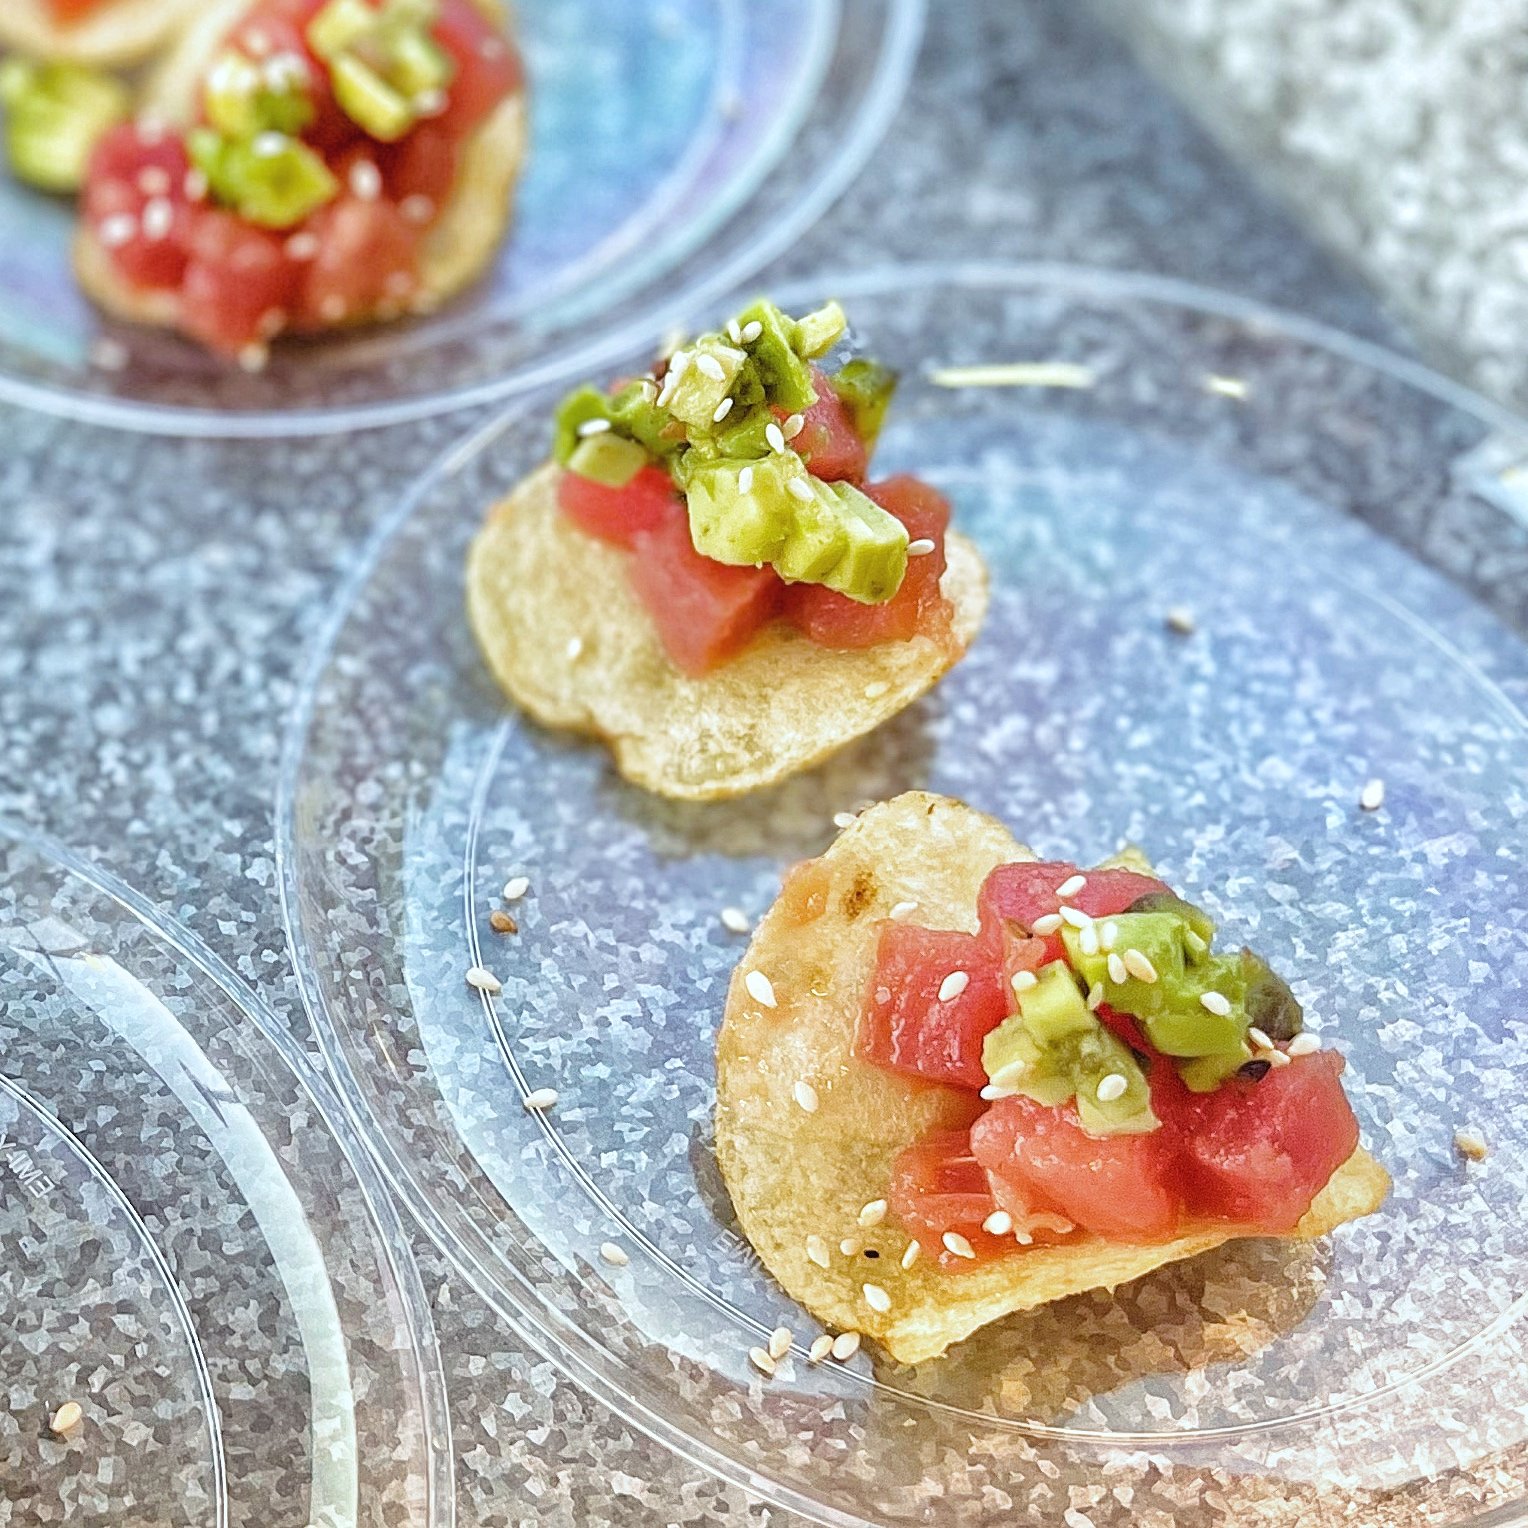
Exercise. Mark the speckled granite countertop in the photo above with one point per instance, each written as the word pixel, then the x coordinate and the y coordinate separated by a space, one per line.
pixel 157 598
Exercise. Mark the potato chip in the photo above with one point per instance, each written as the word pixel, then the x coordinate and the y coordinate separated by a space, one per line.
pixel 118 35
pixel 568 638
pixel 796 1174
pixel 456 249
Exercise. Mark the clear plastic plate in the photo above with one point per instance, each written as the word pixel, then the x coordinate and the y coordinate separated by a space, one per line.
pixel 676 146
pixel 193 1248
pixel 1348 531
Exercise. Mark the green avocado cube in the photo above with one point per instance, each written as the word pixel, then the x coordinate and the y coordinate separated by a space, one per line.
pixel 709 369
pixel 55 114
pixel 819 332
pixel 271 180
pixel 865 389
pixel 874 562
pixel 783 372
pixel 608 458
pixel 740 512
pixel 370 100
pixel 1053 1009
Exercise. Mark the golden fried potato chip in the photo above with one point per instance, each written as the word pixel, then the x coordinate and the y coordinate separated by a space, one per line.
pixel 797 1173
pixel 118 35
pixel 457 248
pixel 568 638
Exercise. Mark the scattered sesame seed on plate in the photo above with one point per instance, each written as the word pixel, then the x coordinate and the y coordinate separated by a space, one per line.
pixel 1372 797
pixel 902 910
pixel 1304 1044
pixel 1071 886
pixel 873 1213
pixel 541 1100
pixel 483 980
pixel 762 1362
pixel 910 1256
pixel 516 887
pixel 820 1348
pixel 806 1096
pixel 1046 924
pixel 780 1342
pixel 817 1250
pixel 616 1256
pixel 956 1243
pixel 735 920
pixel 1140 967
pixel 953 985
pixel 66 1418
pixel 1215 1002
pixel 876 1298
pixel 1111 1087
pixel 1225 387
pixel 501 923
pixel 1471 1144
pixel 920 548
pixel 845 1346
pixel 760 989
pixel 1180 619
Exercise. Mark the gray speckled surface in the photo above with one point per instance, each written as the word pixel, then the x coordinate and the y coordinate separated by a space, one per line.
pixel 156 598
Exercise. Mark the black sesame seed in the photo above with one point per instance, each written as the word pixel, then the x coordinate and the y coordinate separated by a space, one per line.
pixel 871 1252
pixel 1256 1070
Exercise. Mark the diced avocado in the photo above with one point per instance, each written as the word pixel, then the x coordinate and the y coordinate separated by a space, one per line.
pixel 340 26
pixel 784 373
pixel 746 437
pixel 710 370
pixel 865 389
pixel 819 536
pixel 820 331
pixel 369 100
pixel 243 97
pixel 630 411
pixel 875 560
pixel 1012 1059
pixel 1101 1055
pixel 608 458
pixel 1270 1005
pixel 271 180
pixel 55 114
pixel 1053 1008
pixel 1169 902
pixel 731 525
pixel 417 63
pixel 1158 937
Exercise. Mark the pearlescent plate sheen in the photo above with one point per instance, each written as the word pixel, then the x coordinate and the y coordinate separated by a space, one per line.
pixel 1346 531
pixel 193 1248
pixel 675 146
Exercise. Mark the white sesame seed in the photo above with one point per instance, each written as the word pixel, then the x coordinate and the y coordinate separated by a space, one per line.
pixel 793 426
pixel 1111 1087
pixel 1087 939
pixel 66 1418
pixel 1022 981
pixel 117 230
pixel 800 489
pixel 272 322
pixel 734 333
pixel 574 649
pixel 910 1256
pixel 780 1342
pixel 806 1096
pixel 873 1213
pixel 953 985
pixel 616 1256
pixel 1471 1144
pixel 1140 967
pixel 255 356
pixel 154 181
pixel 303 246
pixel 762 1362
pixel 920 548
pixel 1096 998
pixel 1304 1044
pixel 269 145
pixel 902 910
pixel 820 1348
pixel 484 980
pixel 1259 1040
pixel 1071 886
pixel 516 887
pixel 1180 619
pixel 745 480
pixel 541 1100
pixel 109 354
pixel 955 1243
pixel 998 1223
pixel 1372 797
pixel 735 920
pixel 1276 1058
pixel 1075 916
pixel 845 1346
pixel 592 427
pixel 817 1250
pixel 1215 1002
pixel 366 180
pixel 844 820
pixel 332 308
pixel 751 331
pixel 760 988
pixel 1046 924
pixel 774 437
pixel 709 366
pixel 877 1298
pixel 876 689
pixel 849 1246
pixel 722 410
pixel 417 209
pixel 1194 942
pixel 995 1092
pixel 1226 387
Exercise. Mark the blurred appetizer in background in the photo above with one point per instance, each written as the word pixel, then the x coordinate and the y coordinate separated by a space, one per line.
pixel 955 1082
pixel 705 577
pixel 302 165
pixel 107 34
